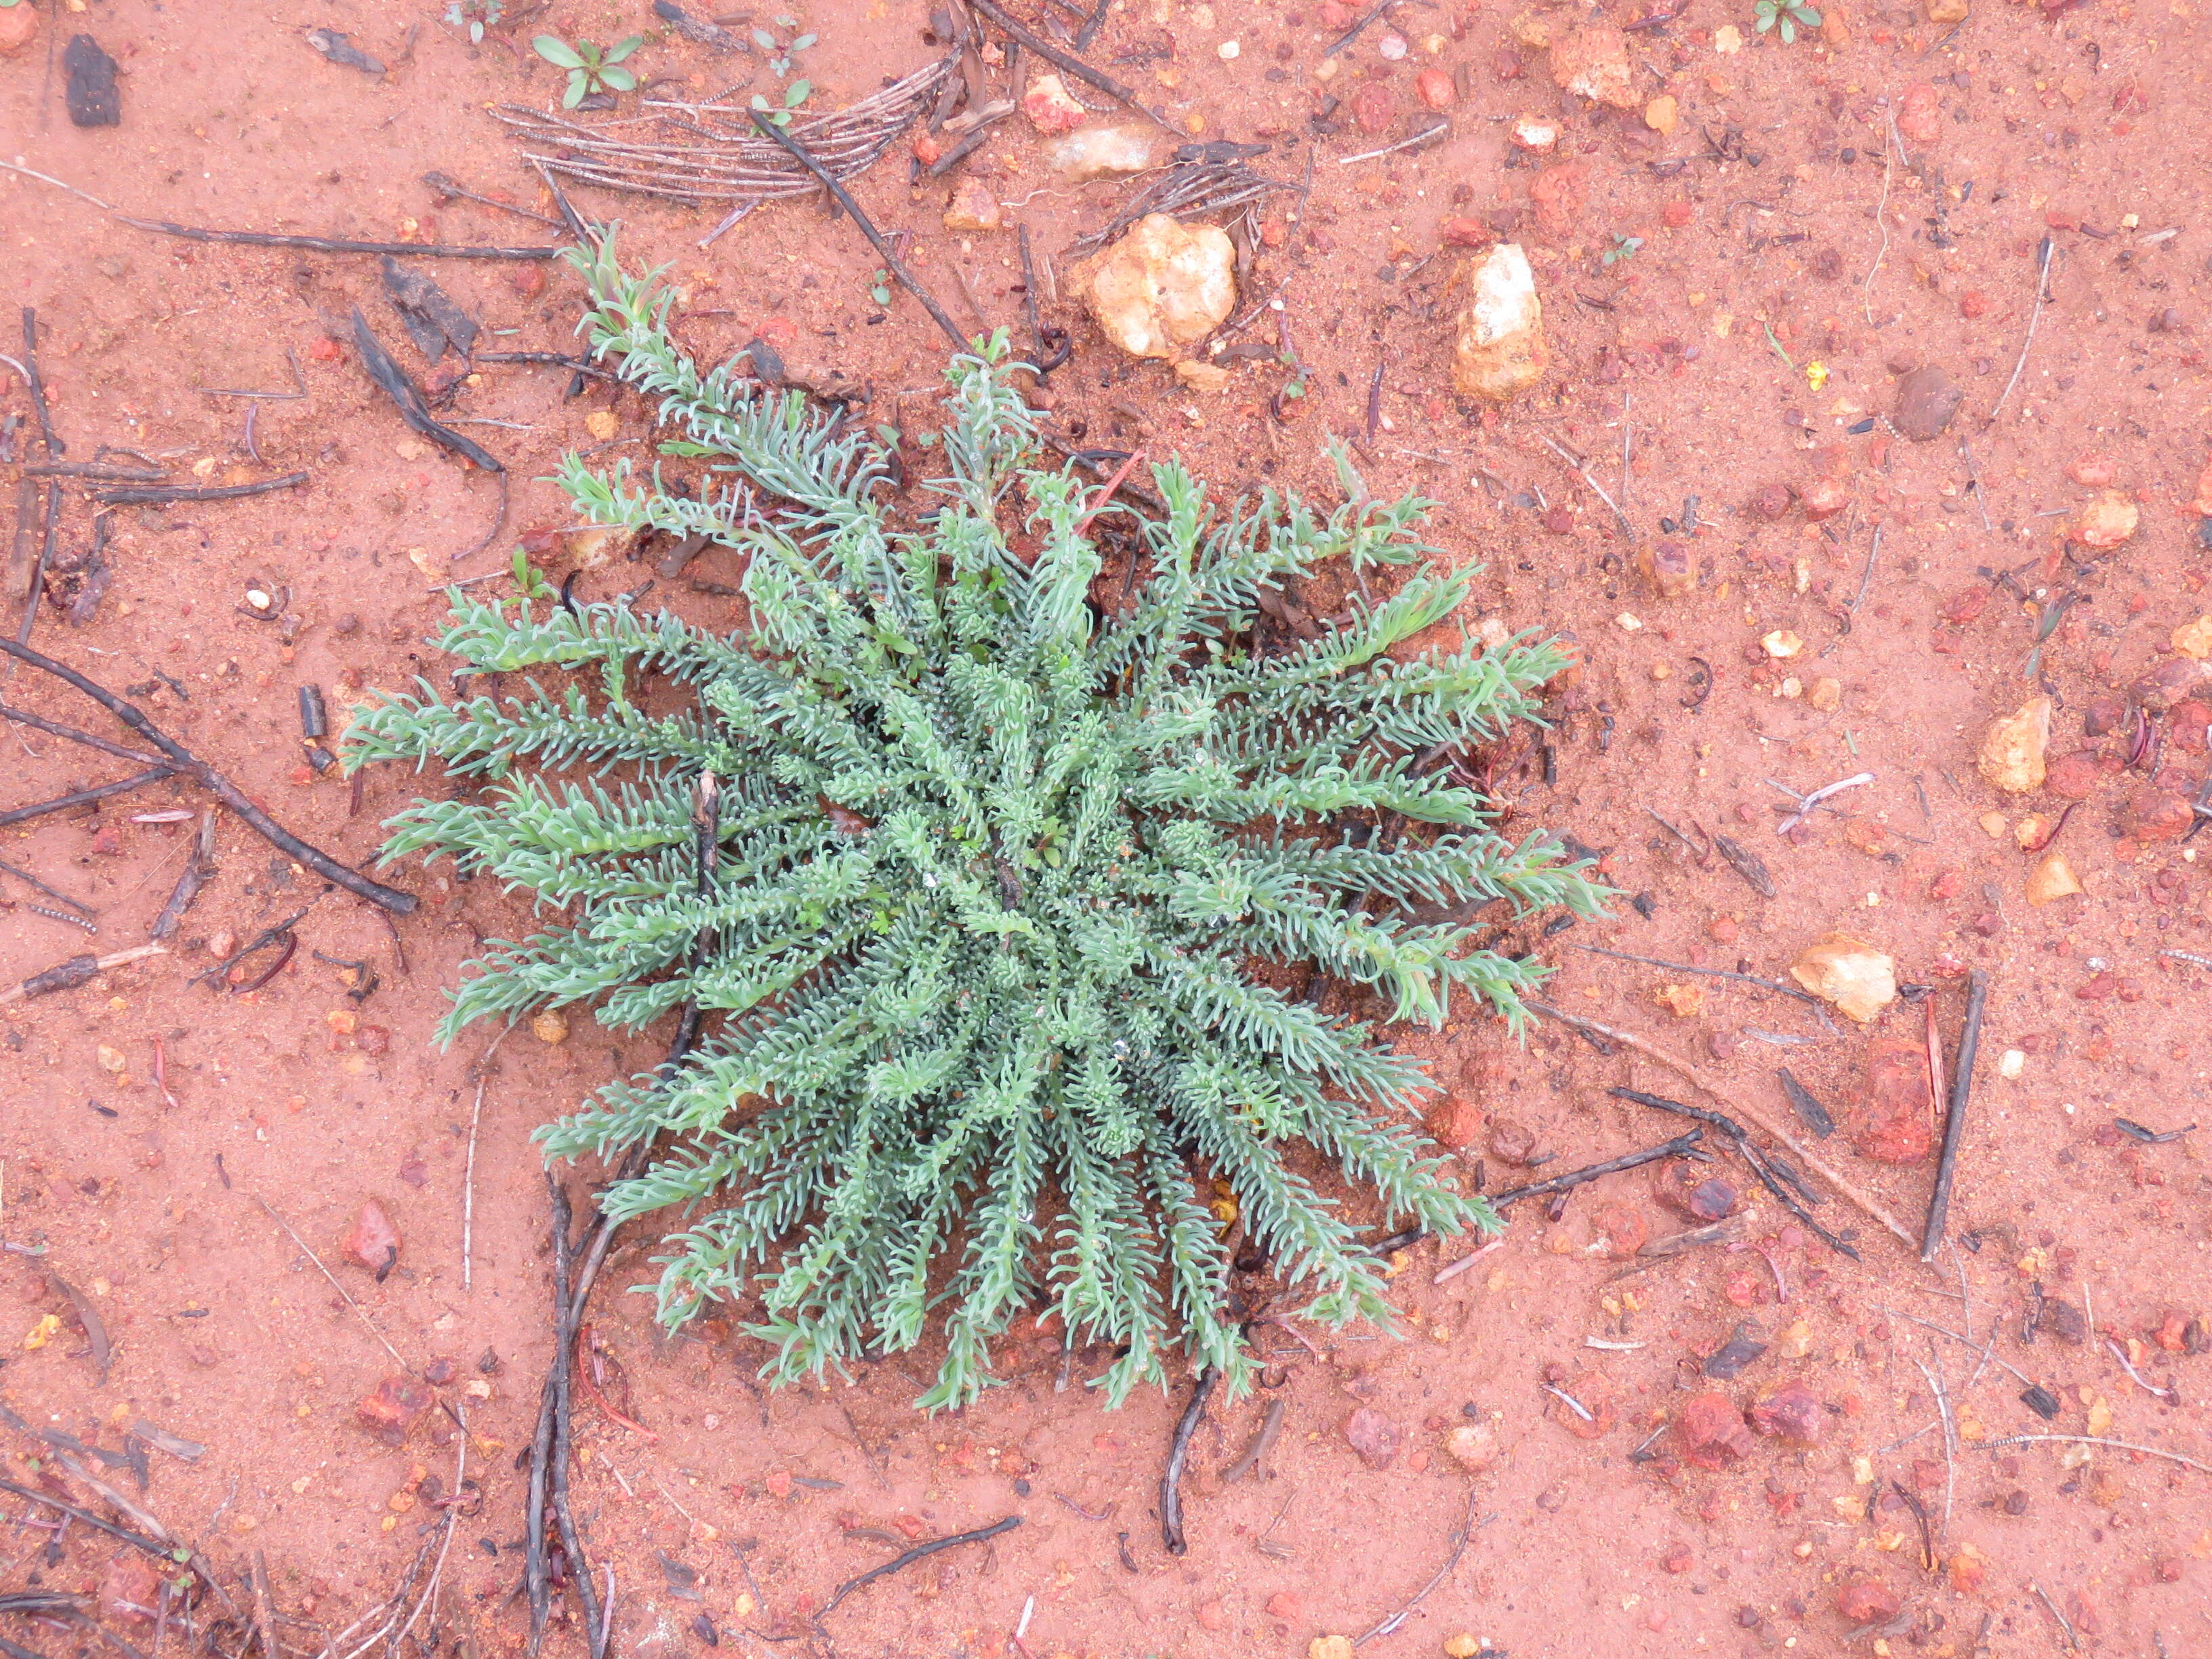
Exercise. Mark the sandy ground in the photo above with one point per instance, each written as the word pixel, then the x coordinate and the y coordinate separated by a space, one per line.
pixel 1783 221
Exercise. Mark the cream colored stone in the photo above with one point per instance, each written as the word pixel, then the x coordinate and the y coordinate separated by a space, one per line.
pixel 2012 758
pixel 1500 351
pixel 2194 639
pixel 1592 63
pixel 1849 972
pixel 1105 153
pixel 1162 288
pixel 2052 880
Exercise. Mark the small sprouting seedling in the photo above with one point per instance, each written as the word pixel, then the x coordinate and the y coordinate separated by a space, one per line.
pixel 880 288
pixel 591 68
pixel 784 52
pixel 1623 247
pixel 474 15
pixel 782 57
pixel 1786 15
pixel 529 581
pixel 793 96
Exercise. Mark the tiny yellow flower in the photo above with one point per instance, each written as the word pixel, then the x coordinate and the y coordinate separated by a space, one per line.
pixel 1816 374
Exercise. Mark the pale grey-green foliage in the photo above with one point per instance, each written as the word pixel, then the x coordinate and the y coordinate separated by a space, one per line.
pixel 981 1041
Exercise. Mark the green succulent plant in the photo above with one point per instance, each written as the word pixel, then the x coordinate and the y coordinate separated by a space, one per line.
pixel 998 881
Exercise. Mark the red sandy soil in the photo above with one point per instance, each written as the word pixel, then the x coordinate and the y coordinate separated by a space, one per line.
pixel 2084 126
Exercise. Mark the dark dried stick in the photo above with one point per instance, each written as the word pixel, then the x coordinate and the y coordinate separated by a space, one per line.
pixel 77 970
pixel 1757 1162
pixel 82 908
pixel 1560 1184
pixel 407 398
pixel 167 1551
pixel 154 493
pixel 1358 27
pixel 53 445
pixel 1261 1442
pixel 561 1380
pixel 95 469
pixel 2042 288
pixel 449 189
pixel 1461 1535
pixel 1954 1121
pixel 1073 65
pixel 548 359
pixel 333 245
pixel 1709 973
pixel 844 198
pixel 1091 25
pixel 919 1552
pixel 79 798
pixel 1178 1454
pixel 50 523
pixel 56 729
pixel 390 898
pixel 1676 1063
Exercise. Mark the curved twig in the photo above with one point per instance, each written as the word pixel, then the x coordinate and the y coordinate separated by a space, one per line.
pixel 215 782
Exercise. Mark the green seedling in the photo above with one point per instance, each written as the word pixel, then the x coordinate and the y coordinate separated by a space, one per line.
pixel 591 68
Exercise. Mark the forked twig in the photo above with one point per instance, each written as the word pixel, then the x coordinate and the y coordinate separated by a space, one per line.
pixel 217 784
pixel 1758 1118
pixel 1467 1529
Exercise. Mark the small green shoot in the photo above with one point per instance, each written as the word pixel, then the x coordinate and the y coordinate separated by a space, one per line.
pixel 529 581
pixel 591 68
pixel 1787 16
pixel 880 288
pixel 1623 247
pixel 475 16
pixel 793 96
pixel 782 58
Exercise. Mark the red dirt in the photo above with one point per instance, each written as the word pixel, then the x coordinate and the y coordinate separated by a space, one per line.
pixel 2074 124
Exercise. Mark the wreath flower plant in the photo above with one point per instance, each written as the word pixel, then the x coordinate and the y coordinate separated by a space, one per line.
pixel 983 890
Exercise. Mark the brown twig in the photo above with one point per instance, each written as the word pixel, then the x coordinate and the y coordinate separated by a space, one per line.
pixel 1178 1452
pixel 1954 1121
pixel 1770 1170
pixel 1580 470
pixel 2035 316
pixel 79 905
pixel 1560 1184
pixel 162 1548
pixel 1065 61
pixel 1710 973
pixel 96 470
pixel 561 1382
pixel 336 245
pixel 2093 1440
pixel 919 1553
pixel 83 797
pixel 1261 1442
pixel 897 266
pixel 153 493
pixel 53 445
pixel 1459 1538
pixel 469 1167
pixel 56 729
pixel 451 189
pixel 360 1312
pixel 77 970
pixel 1756 1117
pixel 2073 1642
pixel 390 898
pixel 196 872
